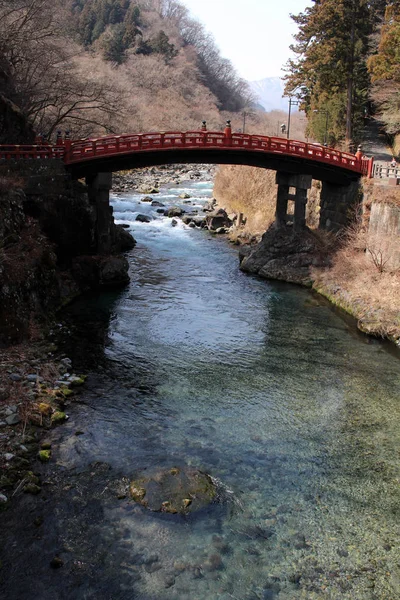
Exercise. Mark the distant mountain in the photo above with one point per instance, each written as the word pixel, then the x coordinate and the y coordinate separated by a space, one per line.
pixel 269 92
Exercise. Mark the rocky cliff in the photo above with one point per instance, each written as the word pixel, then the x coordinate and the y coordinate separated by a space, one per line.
pixel 47 246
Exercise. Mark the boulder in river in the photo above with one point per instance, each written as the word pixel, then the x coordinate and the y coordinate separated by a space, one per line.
pixel 146 199
pixel 151 190
pixel 195 220
pixel 157 203
pixel 179 490
pixel 184 196
pixel 175 211
pixel 209 205
pixel 143 218
pixel 217 220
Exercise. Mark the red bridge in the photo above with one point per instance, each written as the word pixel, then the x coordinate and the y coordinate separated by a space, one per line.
pixel 85 158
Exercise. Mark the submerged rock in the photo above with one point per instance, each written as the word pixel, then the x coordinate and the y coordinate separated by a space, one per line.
pixel 178 490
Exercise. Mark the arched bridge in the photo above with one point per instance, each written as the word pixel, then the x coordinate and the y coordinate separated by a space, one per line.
pixel 296 163
pixel 85 158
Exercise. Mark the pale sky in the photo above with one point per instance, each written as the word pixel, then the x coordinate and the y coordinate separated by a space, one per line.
pixel 254 34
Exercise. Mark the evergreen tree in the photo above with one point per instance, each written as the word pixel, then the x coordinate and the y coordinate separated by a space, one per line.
pixel 113 44
pixel 384 67
pixel 329 73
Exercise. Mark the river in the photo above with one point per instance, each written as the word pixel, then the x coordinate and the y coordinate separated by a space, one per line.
pixel 263 386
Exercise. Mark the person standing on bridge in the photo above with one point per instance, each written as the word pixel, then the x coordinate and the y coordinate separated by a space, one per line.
pixel 393 163
pixel 228 132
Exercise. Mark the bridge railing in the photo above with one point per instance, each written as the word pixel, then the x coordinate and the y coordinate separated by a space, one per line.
pixel 18 152
pixel 85 150
pixel 112 145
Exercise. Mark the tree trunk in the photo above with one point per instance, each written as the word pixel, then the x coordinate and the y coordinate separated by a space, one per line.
pixel 350 82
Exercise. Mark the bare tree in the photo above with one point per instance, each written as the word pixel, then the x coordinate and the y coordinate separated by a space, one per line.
pixel 41 73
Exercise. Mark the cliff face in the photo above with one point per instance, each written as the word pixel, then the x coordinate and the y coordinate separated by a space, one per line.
pixel 47 247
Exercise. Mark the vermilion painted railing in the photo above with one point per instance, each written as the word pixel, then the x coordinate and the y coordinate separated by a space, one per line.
pixel 32 151
pixel 76 152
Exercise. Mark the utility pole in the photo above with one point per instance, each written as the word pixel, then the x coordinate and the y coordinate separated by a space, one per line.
pixel 291 103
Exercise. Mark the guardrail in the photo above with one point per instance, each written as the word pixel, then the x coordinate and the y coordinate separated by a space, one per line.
pixel 18 152
pixel 382 171
pixel 74 152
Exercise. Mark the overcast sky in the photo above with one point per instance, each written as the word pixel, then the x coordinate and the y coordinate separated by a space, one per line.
pixel 254 34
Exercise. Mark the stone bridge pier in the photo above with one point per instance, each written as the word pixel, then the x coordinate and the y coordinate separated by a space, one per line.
pixel 99 187
pixel 301 185
pixel 338 203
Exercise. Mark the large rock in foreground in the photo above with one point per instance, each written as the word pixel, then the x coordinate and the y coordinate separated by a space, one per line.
pixel 178 490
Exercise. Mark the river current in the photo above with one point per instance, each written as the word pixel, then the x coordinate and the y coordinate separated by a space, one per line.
pixel 263 386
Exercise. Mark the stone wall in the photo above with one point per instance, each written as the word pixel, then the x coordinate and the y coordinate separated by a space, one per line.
pixel 339 205
pixel 384 234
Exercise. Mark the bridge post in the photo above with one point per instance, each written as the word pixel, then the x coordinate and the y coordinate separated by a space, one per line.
pixel 301 183
pixel 282 179
pixel 99 195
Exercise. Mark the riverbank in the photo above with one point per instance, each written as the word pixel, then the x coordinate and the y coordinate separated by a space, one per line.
pixel 48 257
pixel 351 269
pixel 37 388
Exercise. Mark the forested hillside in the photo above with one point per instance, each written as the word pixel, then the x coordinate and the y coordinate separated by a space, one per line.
pixel 346 54
pixel 384 67
pixel 99 66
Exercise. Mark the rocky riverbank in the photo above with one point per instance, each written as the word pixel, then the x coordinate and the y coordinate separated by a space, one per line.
pixel 334 269
pixel 47 258
pixel 48 247
pixel 149 180
pixel 37 387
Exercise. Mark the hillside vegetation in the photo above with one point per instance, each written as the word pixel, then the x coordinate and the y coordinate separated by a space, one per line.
pixel 100 66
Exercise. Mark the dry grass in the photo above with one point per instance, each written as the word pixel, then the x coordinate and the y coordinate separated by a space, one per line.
pixel 383 194
pixel 250 191
pixel 362 283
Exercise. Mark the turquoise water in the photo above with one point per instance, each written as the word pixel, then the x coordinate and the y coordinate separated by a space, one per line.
pixel 262 386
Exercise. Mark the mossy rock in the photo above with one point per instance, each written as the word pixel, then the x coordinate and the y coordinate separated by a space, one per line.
pixel 150 190
pixel 65 392
pixel 58 417
pixel 179 490
pixel 45 408
pixel 77 381
pixel 44 455
pixel 32 478
pixel 32 488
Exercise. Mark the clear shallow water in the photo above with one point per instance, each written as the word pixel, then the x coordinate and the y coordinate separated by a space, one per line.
pixel 261 385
